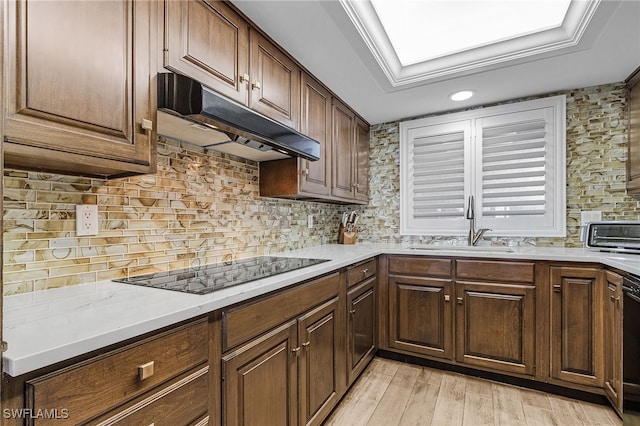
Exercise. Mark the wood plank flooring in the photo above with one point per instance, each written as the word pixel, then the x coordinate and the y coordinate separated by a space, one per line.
pixel 393 393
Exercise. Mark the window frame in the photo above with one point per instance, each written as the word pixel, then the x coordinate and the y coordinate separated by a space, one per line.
pixel 554 221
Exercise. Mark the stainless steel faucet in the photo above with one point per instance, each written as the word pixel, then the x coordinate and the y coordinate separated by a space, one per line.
pixel 474 236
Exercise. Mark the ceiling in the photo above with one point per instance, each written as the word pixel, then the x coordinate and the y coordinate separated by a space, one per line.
pixel 322 37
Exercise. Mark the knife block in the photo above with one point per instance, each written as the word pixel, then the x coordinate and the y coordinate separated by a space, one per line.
pixel 345 237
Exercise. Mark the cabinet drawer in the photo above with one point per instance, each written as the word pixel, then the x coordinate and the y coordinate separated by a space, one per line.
pixel 94 386
pixel 420 266
pixel 521 272
pixel 243 322
pixel 361 271
pixel 183 402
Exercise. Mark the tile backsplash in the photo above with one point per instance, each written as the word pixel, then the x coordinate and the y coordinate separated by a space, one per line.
pixel 203 207
pixel 200 207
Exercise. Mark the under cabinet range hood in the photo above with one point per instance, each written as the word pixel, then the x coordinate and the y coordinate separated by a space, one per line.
pixel 193 113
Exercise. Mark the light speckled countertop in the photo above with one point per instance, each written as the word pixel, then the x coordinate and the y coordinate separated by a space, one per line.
pixel 46 327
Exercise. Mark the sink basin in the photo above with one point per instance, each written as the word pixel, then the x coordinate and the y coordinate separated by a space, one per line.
pixel 500 249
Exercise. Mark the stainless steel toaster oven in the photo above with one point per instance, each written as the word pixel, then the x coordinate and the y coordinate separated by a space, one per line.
pixel 614 236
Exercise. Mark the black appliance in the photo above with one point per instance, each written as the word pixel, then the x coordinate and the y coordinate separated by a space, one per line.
pixel 209 278
pixel 188 99
pixel 631 349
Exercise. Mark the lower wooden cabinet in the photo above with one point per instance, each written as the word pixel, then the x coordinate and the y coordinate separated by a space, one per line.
pixel 421 315
pixel 293 373
pixel 131 385
pixel 260 380
pixel 318 367
pixel 495 326
pixel 576 325
pixel 361 327
pixel 613 339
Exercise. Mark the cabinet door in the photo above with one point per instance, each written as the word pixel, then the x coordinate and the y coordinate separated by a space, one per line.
pixel 361 327
pixel 576 325
pixel 76 97
pixel 633 157
pixel 275 82
pixel 318 370
pixel 209 42
pixel 420 315
pixel 361 161
pixel 315 122
pixel 613 339
pixel 259 380
pixel 495 326
pixel 343 133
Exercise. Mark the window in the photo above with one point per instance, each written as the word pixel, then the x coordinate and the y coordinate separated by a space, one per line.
pixel 510 158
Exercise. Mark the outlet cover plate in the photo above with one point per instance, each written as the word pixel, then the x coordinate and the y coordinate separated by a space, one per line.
pixel 86 219
pixel 587 216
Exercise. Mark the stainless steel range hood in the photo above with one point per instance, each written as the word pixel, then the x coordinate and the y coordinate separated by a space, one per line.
pixel 191 112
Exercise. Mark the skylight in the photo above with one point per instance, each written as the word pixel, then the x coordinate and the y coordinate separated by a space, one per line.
pixel 417 40
pixel 427 29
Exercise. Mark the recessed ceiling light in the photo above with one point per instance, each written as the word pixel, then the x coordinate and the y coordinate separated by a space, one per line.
pixel 462 95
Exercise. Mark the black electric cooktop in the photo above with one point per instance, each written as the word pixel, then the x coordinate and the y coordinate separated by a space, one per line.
pixel 209 278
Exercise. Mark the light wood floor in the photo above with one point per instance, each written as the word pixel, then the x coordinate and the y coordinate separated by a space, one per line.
pixel 393 393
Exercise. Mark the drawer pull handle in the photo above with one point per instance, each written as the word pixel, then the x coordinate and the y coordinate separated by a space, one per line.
pixel 557 288
pixel 145 370
pixel 459 300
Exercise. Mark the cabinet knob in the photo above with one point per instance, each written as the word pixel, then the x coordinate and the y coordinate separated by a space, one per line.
pixel 614 298
pixel 145 370
pixel 459 300
pixel 557 288
pixel 352 311
pixel 244 78
pixel 447 298
pixel 256 85
pixel 305 345
pixel 305 172
pixel 296 351
pixel 364 271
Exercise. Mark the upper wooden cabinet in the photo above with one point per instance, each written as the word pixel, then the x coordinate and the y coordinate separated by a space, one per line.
pixel 633 158
pixel 275 81
pixel 79 97
pixel 315 122
pixel 342 139
pixel 341 175
pixel 361 161
pixel 210 42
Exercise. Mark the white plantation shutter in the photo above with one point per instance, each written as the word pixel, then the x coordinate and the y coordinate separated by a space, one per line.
pixel 435 176
pixel 512 161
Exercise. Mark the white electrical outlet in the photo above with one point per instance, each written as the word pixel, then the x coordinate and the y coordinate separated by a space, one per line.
pixel 310 221
pixel 587 216
pixel 86 219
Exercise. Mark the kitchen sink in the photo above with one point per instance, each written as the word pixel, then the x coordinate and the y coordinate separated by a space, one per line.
pixel 500 249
